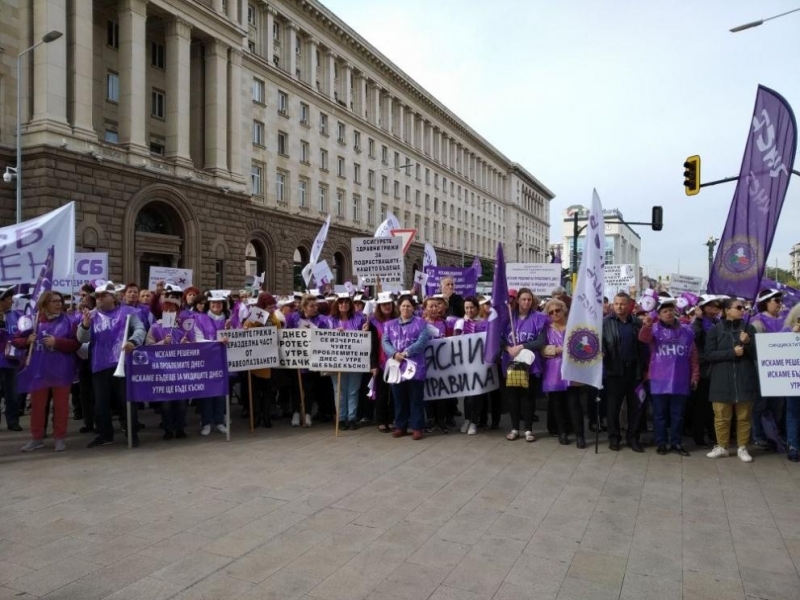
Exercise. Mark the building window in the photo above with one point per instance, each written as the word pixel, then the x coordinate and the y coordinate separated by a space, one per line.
pixel 396 189
pixel 357 141
pixel 417 171
pixel 302 188
pixel 384 184
pixel 258 133
pixel 323 123
pixel 427 176
pixel 339 203
pixel 384 155
pixel 157 148
pixel 370 212
pixel 384 208
pixel 323 160
pixel 371 179
pixel 111 136
pixel 276 32
pixel 340 131
pixel 282 146
pixel 251 14
pixel 219 273
pixel 417 201
pixel 356 209
pixel 396 160
pixel 303 113
pixel 256 179
pixel 408 193
pixel 157 54
pixel 280 185
pixel 283 103
pixel 323 198
pixel 112 87
pixel 158 103
pixel 259 91
pixel 357 173
pixel 112 34
pixel 340 166
pixel 371 144
pixel 304 152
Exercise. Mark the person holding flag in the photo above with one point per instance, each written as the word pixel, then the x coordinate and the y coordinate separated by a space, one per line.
pixel 8 365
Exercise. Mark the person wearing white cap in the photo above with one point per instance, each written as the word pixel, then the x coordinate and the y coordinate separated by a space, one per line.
pixel 8 366
pixel 344 317
pixel 385 311
pixel 702 413
pixel 768 320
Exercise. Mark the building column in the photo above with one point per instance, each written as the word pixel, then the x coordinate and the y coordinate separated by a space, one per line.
pixel 291 64
pixel 412 123
pixel 373 92
pixel 313 48
pixel 217 5
pixel 178 48
pixel 347 89
pixel 133 93
pixel 49 65
pixel 444 153
pixel 235 112
pixel 329 83
pixel 196 106
pixel 232 12
pixel 216 107
pixel 437 144
pixel 400 131
pixel 386 111
pixel 83 70
pixel 359 99
pixel 266 35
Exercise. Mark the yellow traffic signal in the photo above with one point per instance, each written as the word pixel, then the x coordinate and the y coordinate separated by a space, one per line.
pixel 691 176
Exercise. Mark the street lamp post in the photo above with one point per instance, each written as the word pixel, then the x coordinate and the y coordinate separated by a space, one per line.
pixel 711 243
pixel 752 24
pixel 46 39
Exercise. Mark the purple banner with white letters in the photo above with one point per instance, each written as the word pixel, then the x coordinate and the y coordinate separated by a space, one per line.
pixel 161 372
pixel 466 280
pixel 757 203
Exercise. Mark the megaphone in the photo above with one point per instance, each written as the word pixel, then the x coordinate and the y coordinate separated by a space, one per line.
pixel 120 372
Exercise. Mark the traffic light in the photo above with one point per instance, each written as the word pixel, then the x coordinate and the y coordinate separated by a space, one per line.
pixel 658 218
pixel 691 176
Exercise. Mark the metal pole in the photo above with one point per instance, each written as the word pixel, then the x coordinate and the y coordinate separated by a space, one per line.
pixel 574 250
pixel 19 137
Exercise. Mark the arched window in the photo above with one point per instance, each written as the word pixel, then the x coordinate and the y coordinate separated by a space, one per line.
pixel 300 259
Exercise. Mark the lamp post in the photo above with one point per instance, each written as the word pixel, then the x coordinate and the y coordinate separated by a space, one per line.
pixel 752 24
pixel 46 39
pixel 711 243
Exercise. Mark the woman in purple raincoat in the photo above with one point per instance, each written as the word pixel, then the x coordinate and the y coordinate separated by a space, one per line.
pixel 385 311
pixel 471 323
pixel 768 320
pixel 343 317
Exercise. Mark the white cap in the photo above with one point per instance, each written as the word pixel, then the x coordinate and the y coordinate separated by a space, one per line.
pixel 103 287
pixel 219 295
pixel 384 298
pixel 171 288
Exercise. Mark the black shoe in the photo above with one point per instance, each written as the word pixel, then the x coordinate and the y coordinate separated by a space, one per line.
pixel 99 441
pixel 86 429
pixel 661 450
pixel 613 446
pixel 444 430
pixel 450 422
pixel 343 426
pixel 168 435
pixel 135 441
pixel 15 427
pixel 679 450
pixel 180 434
pixel 353 425
pixel 581 443
pixel 535 418
pixel 635 446
pixel 563 439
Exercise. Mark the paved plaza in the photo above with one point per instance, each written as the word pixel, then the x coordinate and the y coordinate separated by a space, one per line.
pixel 288 513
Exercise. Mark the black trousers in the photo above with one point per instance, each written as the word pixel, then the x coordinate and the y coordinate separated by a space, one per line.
pixel 568 409
pixel 521 404
pixel 473 407
pixel 494 404
pixel 592 399
pixel 618 390
pixel 86 392
pixel 702 413
pixel 384 402
pixel 438 410
pixel 319 389
pixel 109 392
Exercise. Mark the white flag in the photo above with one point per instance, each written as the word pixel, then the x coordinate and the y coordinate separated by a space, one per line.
pixel 316 250
pixel 385 228
pixel 429 257
pixel 582 360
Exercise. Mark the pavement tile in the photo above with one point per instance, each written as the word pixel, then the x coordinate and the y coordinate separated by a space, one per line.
pixel 642 587
pixel 767 584
pixel 54 576
pixel 603 569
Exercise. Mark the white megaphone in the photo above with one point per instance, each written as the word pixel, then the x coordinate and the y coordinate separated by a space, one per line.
pixel 120 372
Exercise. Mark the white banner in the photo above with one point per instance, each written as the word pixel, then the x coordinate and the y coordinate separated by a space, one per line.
pixel 88 266
pixel 619 277
pixel 678 284
pixel 293 348
pixel 333 350
pixel 323 275
pixel 319 242
pixel 779 363
pixel 24 247
pixel 455 367
pixel 541 278
pixel 181 277
pixel 378 257
pixel 385 228
pixel 254 348
pixel 429 257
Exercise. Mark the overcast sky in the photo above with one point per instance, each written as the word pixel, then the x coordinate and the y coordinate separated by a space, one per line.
pixel 608 95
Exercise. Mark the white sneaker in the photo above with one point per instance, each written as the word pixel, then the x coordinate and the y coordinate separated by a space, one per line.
pixel 32 445
pixel 744 455
pixel 206 430
pixel 296 419
pixel 60 446
pixel 308 420
pixel 718 452
pixel 465 427
pixel 473 429
pixel 220 428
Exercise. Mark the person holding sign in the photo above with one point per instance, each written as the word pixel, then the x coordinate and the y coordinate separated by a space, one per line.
pixel 471 323
pixel 673 371
pixel 212 410
pixel 385 311
pixel 343 317
pixel 792 323
pixel 260 381
pixel 434 308
pixel 49 369
pixel 404 343
pixel 768 320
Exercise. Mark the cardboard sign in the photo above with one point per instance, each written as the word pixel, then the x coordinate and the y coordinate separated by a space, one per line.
pixel 294 348
pixel 618 277
pixel 88 266
pixel 340 350
pixel 181 277
pixel 375 258
pixel 779 363
pixel 679 284
pixel 540 278
pixel 323 276
pixel 254 348
pixel 454 367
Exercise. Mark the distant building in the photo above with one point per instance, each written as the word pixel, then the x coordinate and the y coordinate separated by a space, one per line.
pixel 794 261
pixel 623 245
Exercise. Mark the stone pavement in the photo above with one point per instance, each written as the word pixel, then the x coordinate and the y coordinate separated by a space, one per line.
pixel 290 513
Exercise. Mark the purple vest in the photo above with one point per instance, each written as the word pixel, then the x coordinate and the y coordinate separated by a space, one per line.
pixel 474 326
pixel 108 336
pixel 16 354
pixel 527 328
pixel 670 363
pixel 771 324
pixel 551 375
pixel 440 327
pixel 354 324
pixel 402 336
pixel 295 321
pixel 159 332
pixel 49 368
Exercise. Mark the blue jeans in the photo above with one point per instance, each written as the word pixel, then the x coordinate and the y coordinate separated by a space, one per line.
pixel 348 400
pixel 793 421
pixel 212 410
pixel 672 404
pixel 773 405
pixel 409 408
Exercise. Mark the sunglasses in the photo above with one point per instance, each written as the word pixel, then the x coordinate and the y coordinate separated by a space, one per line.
pixel 555 311
pixel 738 307
pixel 777 300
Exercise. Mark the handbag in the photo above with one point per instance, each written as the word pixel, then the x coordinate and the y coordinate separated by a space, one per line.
pixel 517 375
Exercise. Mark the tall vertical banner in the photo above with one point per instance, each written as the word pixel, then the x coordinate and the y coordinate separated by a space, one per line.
pixel 429 257
pixel 316 250
pixel 758 200
pixel 582 359
pixel 498 317
pixel 385 228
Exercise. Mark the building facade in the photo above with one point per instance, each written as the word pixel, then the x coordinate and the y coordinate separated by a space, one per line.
pixel 794 262
pixel 217 135
pixel 623 245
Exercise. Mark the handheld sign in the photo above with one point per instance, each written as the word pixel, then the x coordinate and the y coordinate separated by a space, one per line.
pixel 334 351
pixel 378 258
pixel 254 348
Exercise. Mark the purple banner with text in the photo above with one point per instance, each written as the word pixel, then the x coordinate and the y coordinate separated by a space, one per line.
pixel 465 279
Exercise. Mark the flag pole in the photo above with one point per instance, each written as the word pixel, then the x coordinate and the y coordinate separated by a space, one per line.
pixel 338 400
pixel 250 401
pixel 597 428
pixel 302 400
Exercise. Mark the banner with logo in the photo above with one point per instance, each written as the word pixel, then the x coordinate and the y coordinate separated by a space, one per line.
pixel 779 363
pixel 378 258
pixel 385 228
pixel 757 202
pixel 333 350
pixel 160 373
pixel 583 360
pixel 180 277
pixel 88 266
pixel 464 277
pixel 253 348
pixel 455 367
pixel 24 247
pixel 540 278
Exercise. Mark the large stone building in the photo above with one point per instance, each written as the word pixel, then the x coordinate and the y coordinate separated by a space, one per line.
pixel 217 134
pixel 794 262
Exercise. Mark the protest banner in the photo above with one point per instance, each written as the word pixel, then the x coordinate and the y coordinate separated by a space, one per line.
pixel 455 367
pixel 254 348
pixel 779 363
pixel 323 276
pixel 339 351
pixel 293 348
pixel 680 284
pixel 618 278
pixel 540 278
pixel 465 279
pixel 24 247
pixel 160 373
pixel 420 279
pixel 88 266
pixel 181 277
pixel 379 257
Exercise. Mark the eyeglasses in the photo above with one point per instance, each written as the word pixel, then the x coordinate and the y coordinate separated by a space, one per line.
pixel 555 311
pixel 777 300
pixel 739 307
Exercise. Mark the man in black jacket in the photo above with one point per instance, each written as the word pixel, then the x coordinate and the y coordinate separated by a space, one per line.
pixel 624 358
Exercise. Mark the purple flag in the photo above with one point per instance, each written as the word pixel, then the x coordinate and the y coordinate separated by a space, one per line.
pixel 160 373
pixel 498 319
pixel 44 283
pixel 758 200
pixel 556 257
pixel 477 267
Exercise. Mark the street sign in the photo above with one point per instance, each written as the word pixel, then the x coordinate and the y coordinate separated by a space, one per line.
pixel 406 235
